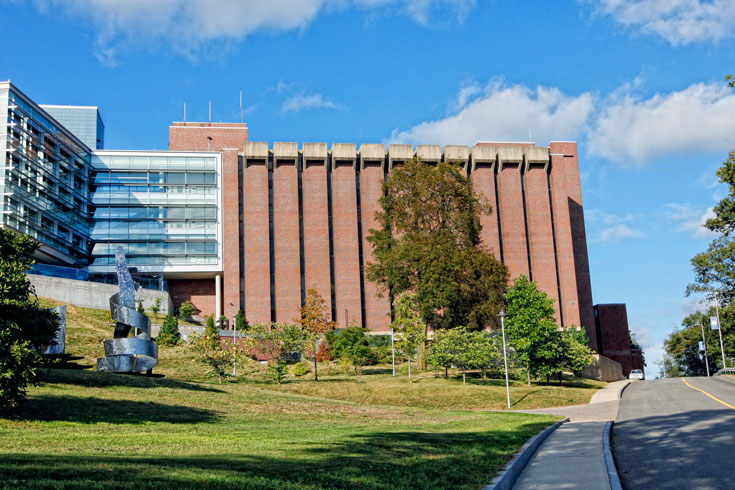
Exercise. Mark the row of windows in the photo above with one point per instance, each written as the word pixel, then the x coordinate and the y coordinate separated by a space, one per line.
pixel 160 261
pixel 157 162
pixel 157 212
pixel 195 178
pixel 168 189
pixel 158 248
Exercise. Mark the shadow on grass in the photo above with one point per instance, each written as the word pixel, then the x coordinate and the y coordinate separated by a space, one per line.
pixel 92 410
pixel 379 460
pixel 102 380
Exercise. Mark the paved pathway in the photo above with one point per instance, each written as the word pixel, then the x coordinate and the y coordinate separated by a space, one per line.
pixel 572 456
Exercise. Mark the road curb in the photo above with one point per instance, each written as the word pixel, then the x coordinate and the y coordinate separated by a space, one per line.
pixel 507 478
pixel 622 389
pixel 612 472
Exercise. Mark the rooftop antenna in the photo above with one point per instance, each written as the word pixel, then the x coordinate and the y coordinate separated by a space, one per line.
pixel 210 112
pixel 240 106
pixel 184 113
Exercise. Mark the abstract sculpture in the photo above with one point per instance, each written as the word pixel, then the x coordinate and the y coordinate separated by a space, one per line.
pixel 125 354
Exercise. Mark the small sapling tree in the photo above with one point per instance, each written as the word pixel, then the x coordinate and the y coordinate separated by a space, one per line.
pixel 275 341
pixel 186 310
pixel 156 306
pixel 408 326
pixel 169 334
pixel 315 322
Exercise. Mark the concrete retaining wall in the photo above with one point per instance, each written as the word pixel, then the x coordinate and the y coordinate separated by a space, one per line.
pixel 603 369
pixel 91 294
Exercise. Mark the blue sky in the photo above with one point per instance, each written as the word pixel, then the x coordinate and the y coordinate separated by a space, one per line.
pixel 638 83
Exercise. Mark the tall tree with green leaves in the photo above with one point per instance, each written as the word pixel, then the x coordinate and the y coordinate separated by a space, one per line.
pixel 531 327
pixel 316 321
pixel 408 327
pixel 25 327
pixel 428 242
pixel 682 346
pixel 714 269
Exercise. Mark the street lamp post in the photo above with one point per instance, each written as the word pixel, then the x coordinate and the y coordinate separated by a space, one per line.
pixel 234 346
pixel 505 355
pixel 719 328
pixel 393 351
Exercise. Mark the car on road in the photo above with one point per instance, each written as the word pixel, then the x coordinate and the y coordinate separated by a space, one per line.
pixel 636 374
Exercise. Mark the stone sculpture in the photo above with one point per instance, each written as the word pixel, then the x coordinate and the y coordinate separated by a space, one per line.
pixel 125 354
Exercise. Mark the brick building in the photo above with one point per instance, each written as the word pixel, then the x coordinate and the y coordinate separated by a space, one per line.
pixel 298 217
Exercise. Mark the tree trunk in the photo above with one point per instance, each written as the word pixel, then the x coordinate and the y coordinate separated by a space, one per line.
pixel 559 378
pixel 547 379
pixel 464 380
pixel 528 374
pixel 446 372
pixel 316 363
pixel 409 369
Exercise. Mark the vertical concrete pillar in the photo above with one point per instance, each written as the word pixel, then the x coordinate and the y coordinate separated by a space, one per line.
pixel 579 236
pixel 316 220
pixel 563 229
pixel 256 233
pixel 230 231
pixel 372 164
pixel 344 232
pixel 217 296
pixel 512 217
pixel 538 212
pixel 482 172
pixel 286 231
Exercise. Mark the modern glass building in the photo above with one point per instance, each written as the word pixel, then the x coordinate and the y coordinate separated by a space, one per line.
pixel 163 208
pixel 44 180
pixel 84 121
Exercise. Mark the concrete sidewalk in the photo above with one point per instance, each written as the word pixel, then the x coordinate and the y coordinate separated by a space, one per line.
pixel 572 456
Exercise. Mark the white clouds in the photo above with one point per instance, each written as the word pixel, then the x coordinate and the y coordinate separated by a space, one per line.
pixel 677 21
pixel 689 219
pixel 300 102
pixel 609 228
pixel 631 131
pixel 505 112
pixel 188 25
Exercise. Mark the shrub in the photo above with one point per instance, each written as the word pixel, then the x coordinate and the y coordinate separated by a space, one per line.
pixel 300 369
pixel 277 371
pixel 187 309
pixel 212 333
pixel 241 322
pixel 169 334
pixel 156 306
pixel 324 354
pixel 25 327
pixel 217 359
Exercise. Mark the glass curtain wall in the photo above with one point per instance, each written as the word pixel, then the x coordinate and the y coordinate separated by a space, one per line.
pixel 45 184
pixel 162 208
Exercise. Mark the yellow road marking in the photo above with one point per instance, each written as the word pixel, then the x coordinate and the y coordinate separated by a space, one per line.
pixel 713 397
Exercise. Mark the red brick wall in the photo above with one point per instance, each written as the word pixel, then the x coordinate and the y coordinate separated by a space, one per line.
pixel 286 240
pixel 346 246
pixel 565 253
pixel 230 233
pixel 256 242
pixel 540 234
pixel 316 230
pixel 199 291
pixel 512 220
pixel 614 340
pixel 197 136
pixel 377 310
pixel 483 181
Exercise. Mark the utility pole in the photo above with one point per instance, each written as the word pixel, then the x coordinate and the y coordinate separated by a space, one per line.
pixel 719 327
pixel 505 355
pixel 393 350
pixel 704 344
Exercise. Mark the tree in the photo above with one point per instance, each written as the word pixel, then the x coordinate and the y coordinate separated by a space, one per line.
pixel 682 346
pixel 275 341
pixel 484 351
pixel 531 327
pixel 408 326
pixel 169 334
pixel 352 345
pixel 187 309
pixel 428 242
pixel 212 333
pixel 442 351
pixel 315 321
pixel 216 358
pixel 156 306
pixel 464 349
pixel 575 355
pixel 141 308
pixel 241 323
pixel 25 327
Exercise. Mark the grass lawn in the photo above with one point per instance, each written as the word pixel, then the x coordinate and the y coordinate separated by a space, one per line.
pixel 83 429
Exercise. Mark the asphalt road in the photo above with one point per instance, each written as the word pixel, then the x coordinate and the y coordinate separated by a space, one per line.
pixel 668 435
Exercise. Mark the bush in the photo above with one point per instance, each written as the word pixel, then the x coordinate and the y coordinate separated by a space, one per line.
pixel 212 333
pixel 277 371
pixel 217 359
pixel 241 322
pixel 300 369
pixel 156 306
pixel 169 334
pixel 351 345
pixel 25 327
pixel 325 353
pixel 187 309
